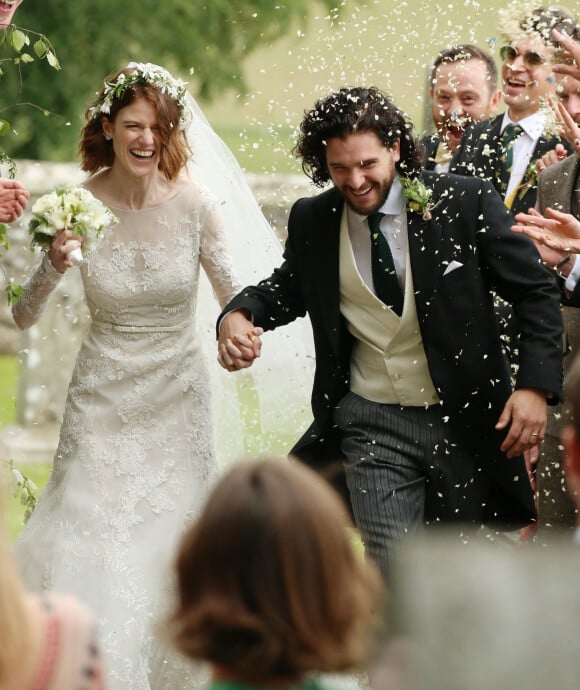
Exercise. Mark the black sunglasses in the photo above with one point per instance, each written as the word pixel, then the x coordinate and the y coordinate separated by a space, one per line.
pixel 530 57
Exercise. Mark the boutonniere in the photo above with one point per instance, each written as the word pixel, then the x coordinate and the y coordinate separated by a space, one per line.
pixel 530 179
pixel 417 196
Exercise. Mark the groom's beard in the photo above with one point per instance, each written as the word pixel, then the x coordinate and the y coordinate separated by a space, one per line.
pixel 380 194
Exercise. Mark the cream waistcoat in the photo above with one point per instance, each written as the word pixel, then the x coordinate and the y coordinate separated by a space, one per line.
pixel 388 363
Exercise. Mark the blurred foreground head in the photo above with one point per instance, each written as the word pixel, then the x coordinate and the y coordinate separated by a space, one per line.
pixel 270 584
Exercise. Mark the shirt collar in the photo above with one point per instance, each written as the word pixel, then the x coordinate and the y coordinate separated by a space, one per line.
pixel 533 125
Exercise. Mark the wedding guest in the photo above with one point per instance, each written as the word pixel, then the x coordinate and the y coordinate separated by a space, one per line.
pixel 282 594
pixel 46 642
pixel 463 89
pixel 395 267
pixel 135 456
pixel 558 186
pixel 505 148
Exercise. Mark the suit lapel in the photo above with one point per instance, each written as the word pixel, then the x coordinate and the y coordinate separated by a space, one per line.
pixel 424 248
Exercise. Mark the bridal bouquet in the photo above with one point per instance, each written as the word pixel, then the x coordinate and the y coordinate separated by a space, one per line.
pixel 69 208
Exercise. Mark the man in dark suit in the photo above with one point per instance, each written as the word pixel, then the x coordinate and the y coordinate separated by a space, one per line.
pixel 394 267
pixel 463 89
pixel 559 188
pixel 505 148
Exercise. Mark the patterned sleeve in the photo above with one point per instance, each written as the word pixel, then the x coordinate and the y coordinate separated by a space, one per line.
pixel 216 258
pixel 36 291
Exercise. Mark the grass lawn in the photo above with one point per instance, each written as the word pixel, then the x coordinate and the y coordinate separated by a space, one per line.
pixel 37 473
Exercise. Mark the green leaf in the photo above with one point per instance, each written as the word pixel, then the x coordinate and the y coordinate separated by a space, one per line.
pixel 26 57
pixel 52 60
pixel 4 127
pixel 18 40
pixel 4 242
pixel 40 48
pixel 13 293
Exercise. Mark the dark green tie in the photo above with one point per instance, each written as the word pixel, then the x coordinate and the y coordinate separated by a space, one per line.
pixel 506 159
pixel 385 279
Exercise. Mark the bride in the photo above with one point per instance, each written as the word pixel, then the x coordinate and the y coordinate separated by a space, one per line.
pixel 136 453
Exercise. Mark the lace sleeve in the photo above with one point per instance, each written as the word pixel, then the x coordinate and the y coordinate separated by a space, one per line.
pixel 217 260
pixel 37 289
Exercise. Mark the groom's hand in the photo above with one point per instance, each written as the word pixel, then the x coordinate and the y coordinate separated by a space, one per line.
pixel 239 341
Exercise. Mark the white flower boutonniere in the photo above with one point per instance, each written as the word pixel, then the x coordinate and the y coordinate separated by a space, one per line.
pixel 417 196
pixel 69 208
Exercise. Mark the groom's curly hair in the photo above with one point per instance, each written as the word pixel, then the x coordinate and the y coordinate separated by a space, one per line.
pixel 351 111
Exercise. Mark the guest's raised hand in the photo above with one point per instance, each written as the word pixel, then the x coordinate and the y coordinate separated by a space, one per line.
pixel 570 130
pixel 239 342
pixel 63 243
pixel 556 230
pixel 13 199
pixel 557 154
pixel 571 50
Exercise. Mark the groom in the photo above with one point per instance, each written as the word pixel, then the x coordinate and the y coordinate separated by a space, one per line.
pixel 411 390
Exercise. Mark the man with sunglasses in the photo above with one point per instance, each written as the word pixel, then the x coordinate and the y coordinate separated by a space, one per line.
pixel 504 149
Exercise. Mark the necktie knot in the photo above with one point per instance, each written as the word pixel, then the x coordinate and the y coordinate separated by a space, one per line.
pixel 506 158
pixel 374 221
pixel 510 134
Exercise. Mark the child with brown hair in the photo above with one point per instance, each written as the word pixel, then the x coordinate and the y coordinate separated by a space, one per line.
pixel 270 588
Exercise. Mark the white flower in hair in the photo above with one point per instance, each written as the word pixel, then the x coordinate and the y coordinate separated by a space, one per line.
pixel 149 73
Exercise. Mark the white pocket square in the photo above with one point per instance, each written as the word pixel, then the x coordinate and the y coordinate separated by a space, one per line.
pixel 452 266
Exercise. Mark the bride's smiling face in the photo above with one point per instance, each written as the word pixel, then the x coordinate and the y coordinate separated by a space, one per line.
pixel 7 9
pixel 136 137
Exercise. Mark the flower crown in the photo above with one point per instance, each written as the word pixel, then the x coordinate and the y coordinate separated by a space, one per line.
pixel 143 72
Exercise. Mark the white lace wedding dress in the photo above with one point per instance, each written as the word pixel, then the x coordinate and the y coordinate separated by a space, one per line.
pixel 135 456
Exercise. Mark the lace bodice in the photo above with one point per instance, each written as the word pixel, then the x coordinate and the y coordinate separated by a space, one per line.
pixel 145 271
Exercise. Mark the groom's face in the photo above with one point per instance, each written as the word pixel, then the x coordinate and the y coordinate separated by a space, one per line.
pixel 362 169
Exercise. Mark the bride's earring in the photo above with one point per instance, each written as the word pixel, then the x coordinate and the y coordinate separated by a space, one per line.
pixel 107 137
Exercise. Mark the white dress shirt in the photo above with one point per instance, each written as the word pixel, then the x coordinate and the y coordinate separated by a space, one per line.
pixel 393 227
pixel 524 145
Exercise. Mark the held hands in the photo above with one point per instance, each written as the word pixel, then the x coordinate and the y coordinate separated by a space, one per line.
pixel 239 341
pixel 63 243
pixel 13 200
pixel 526 414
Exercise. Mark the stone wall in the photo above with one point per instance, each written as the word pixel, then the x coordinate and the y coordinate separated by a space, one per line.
pixel 47 351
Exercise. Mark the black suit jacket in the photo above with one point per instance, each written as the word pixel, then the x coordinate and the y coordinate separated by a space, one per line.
pixel 429 145
pixel 470 225
pixel 478 155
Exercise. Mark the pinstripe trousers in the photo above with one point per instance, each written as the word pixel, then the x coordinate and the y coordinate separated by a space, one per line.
pixel 404 470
